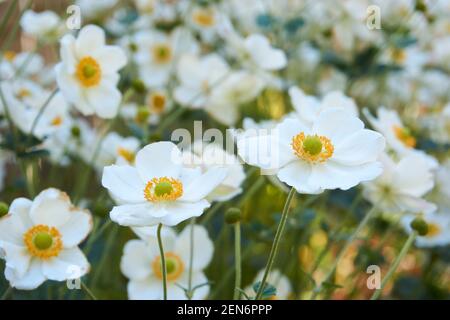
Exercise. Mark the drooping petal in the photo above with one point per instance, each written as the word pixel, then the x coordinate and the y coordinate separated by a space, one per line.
pixel 124 183
pixel 180 211
pixel 69 264
pixel 160 159
pixel 296 174
pixel 136 215
pixel 202 245
pixel 104 99
pixel 16 257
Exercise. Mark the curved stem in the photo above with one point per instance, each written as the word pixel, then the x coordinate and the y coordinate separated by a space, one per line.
pixel 276 242
pixel 88 291
pixel 347 245
pixel 41 111
pixel 191 259
pixel 237 261
pixel 7 292
pixel 163 261
pixel 394 266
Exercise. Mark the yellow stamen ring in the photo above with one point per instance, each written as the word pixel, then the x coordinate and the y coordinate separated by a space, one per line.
pixel 126 154
pixel 163 189
pixel 312 148
pixel 405 136
pixel 43 241
pixel 88 72
pixel 174 266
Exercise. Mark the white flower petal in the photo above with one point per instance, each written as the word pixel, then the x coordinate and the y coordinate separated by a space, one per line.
pixel 124 183
pixel 51 207
pixel 69 264
pixel 336 124
pixel 159 159
pixel 136 260
pixel 412 176
pixel 16 223
pixel 90 38
pixel 105 100
pixel 180 211
pixel 203 247
pixel 148 289
pixel 110 58
pixel 76 229
pixel 202 185
pixel 361 147
pixel 32 279
pixel 136 215
pixel 296 174
pixel 17 258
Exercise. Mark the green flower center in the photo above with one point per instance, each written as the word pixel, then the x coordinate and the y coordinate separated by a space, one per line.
pixel 171 265
pixel 163 188
pixel 89 71
pixel 43 241
pixel 312 145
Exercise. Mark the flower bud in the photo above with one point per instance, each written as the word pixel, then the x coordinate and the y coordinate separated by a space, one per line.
pixel 420 225
pixel 233 215
pixel 142 115
pixel 75 131
pixel 139 86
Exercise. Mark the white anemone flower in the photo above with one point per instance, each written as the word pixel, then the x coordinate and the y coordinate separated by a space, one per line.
pixel 402 185
pixel 237 88
pixel 118 149
pixel 309 107
pixel 438 229
pixel 276 279
pixel 46 24
pixel 158 188
pixel 398 137
pixel 88 72
pixel 206 156
pixel 335 152
pixel 39 240
pixel 157 53
pixel 141 263
pixel 198 76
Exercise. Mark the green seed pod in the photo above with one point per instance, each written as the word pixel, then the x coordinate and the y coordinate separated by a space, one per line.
pixel 420 225
pixel 142 115
pixel 233 215
pixel 76 132
pixel 4 208
pixel 139 86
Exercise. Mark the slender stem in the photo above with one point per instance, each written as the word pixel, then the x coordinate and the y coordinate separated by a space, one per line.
pixel 347 245
pixel 96 235
pixel 41 111
pixel 191 259
pixel 163 261
pixel 237 261
pixel 88 291
pixel 7 15
pixel 7 292
pixel 276 242
pixel 394 266
pixel 210 213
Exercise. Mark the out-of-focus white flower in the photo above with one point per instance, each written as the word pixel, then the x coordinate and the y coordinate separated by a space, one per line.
pixel 157 53
pixel 40 238
pixel 204 19
pixel 118 149
pixel 402 185
pixel 398 137
pixel 308 107
pixel 13 62
pixel 334 152
pixel 438 229
pixel 276 279
pixel 211 155
pixel 198 77
pixel 141 263
pixel 88 72
pixel 158 188
pixel 441 191
pixel 93 9
pixel 42 25
pixel 238 87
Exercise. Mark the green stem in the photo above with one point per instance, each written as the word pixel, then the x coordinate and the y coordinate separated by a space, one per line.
pixel 237 261
pixel 96 235
pixel 6 17
pixel 394 266
pixel 347 245
pixel 88 291
pixel 163 262
pixel 276 242
pixel 191 259
pixel 7 292
pixel 41 111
